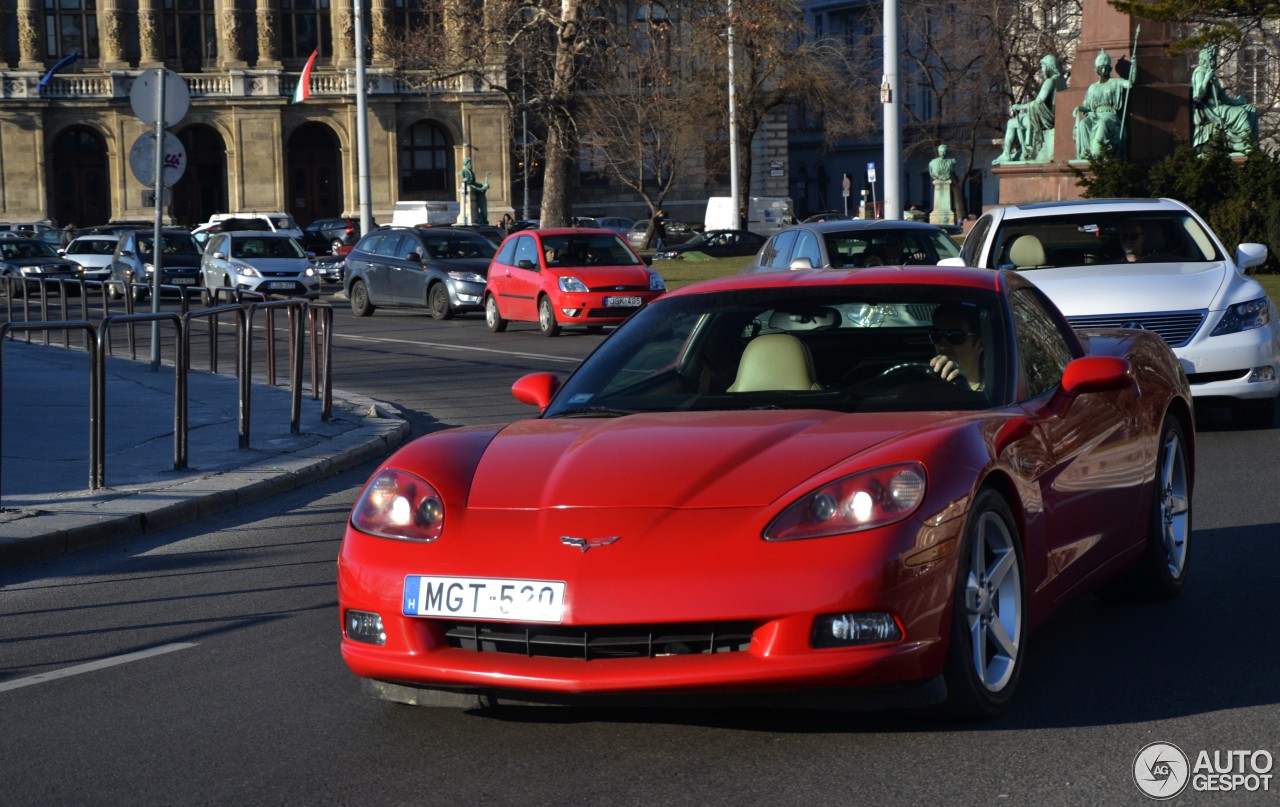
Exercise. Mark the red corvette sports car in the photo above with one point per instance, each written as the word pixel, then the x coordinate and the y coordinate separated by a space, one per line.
pixel 832 489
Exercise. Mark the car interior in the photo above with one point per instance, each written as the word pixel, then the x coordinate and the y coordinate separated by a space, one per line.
pixel 1082 241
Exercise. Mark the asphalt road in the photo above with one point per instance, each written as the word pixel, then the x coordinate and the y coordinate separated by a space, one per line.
pixel 201 665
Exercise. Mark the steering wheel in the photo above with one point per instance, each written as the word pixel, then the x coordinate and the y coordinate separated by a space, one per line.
pixel 916 367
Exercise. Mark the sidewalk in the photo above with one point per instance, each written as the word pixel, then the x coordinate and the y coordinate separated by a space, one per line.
pixel 45 504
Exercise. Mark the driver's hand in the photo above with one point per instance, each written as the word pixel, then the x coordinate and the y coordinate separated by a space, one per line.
pixel 946 369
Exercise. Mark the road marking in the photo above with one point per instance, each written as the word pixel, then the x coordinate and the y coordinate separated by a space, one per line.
pixel 93 665
pixel 444 346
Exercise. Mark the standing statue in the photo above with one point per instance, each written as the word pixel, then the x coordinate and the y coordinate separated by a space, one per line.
pixel 478 193
pixel 1214 111
pixel 1102 126
pixel 1028 135
pixel 943 169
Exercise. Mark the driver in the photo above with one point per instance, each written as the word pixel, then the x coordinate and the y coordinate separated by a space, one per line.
pixel 957 336
pixel 1131 240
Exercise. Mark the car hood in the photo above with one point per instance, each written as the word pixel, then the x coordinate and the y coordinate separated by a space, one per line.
pixel 275 265
pixel 1131 288
pixel 41 261
pixel 675 460
pixel 601 277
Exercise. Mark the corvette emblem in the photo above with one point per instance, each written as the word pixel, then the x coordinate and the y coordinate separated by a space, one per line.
pixel 586 543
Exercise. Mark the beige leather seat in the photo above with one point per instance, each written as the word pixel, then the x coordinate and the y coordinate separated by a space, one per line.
pixel 775 361
pixel 1027 252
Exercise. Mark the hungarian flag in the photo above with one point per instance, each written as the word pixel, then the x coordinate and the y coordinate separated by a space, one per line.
pixel 303 91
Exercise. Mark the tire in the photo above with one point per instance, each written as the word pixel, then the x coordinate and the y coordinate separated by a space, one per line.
pixel 988 614
pixel 360 305
pixel 492 316
pixel 1162 572
pixel 547 324
pixel 438 302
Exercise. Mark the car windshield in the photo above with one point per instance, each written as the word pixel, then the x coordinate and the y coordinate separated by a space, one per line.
pixel 458 247
pixel 888 247
pixel 1111 238
pixel 255 246
pixel 174 244
pixel 589 249
pixel 849 349
pixel 92 246
pixel 26 248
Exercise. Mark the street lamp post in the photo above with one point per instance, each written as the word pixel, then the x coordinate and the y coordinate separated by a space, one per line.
pixel 362 126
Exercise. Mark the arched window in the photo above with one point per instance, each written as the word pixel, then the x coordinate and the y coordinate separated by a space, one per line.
pixel 305 26
pixel 71 26
pixel 426 162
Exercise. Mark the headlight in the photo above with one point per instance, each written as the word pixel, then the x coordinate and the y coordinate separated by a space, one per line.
pixel 247 271
pixel 858 502
pixel 1244 317
pixel 397 504
pixel 311 272
pixel 148 267
pixel 571 283
pixel 656 283
pixel 472 277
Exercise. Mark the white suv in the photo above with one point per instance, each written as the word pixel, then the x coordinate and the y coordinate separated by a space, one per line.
pixel 1152 264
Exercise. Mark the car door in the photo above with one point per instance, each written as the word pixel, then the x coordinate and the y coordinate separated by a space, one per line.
pixel 1090 484
pixel 408 279
pixel 516 284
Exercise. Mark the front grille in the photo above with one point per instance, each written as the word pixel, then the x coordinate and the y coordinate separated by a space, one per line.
pixel 1175 327
pixel 594 643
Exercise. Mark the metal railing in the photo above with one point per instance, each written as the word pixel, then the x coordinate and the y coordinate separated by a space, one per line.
pixel 312 317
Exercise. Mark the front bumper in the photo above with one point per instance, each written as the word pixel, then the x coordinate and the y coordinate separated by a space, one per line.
pixel 594 308
pixel 1244 365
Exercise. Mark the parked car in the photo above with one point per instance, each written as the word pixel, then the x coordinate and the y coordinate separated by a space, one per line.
pixel 716 244
pixel 31 258
pixel 850 244
pixel 327 236
pixel 618 224
pixel 759 487
pixel 134 262
pixel 567 277
pixel 677 233
pixel 333 268
pixel 267 262
pixel 441 269
pixel 827 215
pixel 1176 279
pixel 93 255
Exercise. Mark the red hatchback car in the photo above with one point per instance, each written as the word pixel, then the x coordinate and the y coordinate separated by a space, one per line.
pixel 567 277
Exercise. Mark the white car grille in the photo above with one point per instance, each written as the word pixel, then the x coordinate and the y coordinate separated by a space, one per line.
pixel 1175 327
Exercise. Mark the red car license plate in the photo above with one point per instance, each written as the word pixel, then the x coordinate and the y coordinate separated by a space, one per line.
pixel 622 302
pixel 484 598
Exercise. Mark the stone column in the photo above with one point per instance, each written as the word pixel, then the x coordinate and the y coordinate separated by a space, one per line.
pixel 344 33
pixel 30 25
pixel 150 34
pixel 111 35
pixel 268 13
pixel 380 26
pixel 230 35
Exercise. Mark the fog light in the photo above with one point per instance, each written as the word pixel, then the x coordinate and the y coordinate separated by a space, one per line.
pixel 1262 375
pixel 847 630
pixel 468 298
pixel 571 312
pixel 363 626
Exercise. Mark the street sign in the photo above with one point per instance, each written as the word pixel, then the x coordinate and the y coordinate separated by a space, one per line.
pixel 144 96
pixel 142 159
pixel 871 172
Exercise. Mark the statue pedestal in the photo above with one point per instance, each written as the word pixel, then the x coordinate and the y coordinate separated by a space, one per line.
pixel 1024 183
pixel 942 213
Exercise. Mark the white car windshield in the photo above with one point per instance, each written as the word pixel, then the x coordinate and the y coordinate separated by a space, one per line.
pixel 1117 237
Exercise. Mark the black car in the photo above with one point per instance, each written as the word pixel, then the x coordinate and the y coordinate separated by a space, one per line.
pixel 29 258
pixel 716 244
pixel 442 269
pixel 326 236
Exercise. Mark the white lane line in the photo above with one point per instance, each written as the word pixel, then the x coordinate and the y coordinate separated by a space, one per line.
pixel 79 669
pixel 444 346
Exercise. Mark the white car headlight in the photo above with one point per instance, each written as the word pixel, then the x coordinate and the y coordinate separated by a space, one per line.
pixel 247 271
pixel 571 283
pixel 148 267
pixel 1244 317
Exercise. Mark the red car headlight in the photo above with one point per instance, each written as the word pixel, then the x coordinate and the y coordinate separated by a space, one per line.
pixel 397 504
pixel 854 503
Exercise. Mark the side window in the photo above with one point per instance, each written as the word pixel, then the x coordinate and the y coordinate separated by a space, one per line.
pixel 782 243
pixel 507 255
pixel 973 241
pixel 411 243
pixel 389 246
pixel 527 250
pixel 369 243
pixel 807 247
pixel 218 244
pixel 1043 352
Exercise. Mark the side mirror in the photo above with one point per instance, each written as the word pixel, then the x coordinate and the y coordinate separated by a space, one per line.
pixel 801 263
pixel 537 389
pixel 1250 255
pixel 527 264
pixel 413 256
pixel 219 256
pixel 1096 374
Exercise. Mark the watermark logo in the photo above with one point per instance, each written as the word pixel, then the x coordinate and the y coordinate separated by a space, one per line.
pixel 1161 770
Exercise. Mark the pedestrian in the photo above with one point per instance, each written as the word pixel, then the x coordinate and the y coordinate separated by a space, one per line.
pixel 659 229
pixel 68 233
pixel 507 222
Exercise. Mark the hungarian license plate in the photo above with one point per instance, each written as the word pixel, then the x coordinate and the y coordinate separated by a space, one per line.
pixel 280 285
pixel 622 302
pixel 484 598
pixel 183 281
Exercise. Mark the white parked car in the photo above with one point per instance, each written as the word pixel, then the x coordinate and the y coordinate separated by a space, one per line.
pixel 1151 264
pixel 260 261
pixel 93 253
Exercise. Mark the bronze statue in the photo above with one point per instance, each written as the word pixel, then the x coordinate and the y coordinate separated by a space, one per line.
pixel 942 166
pixel 1214 111
pixel 1102 125
pixel 478 193
pixel 1025 133
pixel 943 169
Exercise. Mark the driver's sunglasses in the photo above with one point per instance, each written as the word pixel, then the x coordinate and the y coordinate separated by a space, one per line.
pixel 953 336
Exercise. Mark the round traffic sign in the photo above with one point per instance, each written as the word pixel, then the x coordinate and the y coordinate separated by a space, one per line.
pixel 142 159
pixel 144 96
